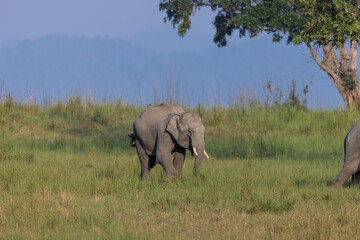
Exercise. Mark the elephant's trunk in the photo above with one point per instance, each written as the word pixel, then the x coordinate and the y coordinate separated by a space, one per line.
pixel 197 143
pixel 199 154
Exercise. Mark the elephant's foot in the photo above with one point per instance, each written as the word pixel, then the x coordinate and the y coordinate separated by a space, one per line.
pixel 335 184
pixel 145 177
pixel 343 176
pixel 172 174
pixel 172 178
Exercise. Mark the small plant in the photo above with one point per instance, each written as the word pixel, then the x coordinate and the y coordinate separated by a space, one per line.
pixel 274 95
pixel 8 101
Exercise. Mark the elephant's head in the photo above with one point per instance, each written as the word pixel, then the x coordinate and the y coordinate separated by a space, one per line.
pixel 188 131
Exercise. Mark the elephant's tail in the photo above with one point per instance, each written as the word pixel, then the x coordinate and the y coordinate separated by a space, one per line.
pixel 132 139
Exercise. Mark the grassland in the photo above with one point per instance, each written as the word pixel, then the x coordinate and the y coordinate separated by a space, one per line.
pixel 67 171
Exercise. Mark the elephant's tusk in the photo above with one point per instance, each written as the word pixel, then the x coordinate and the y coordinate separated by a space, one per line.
pixel 195 152
pixel 206 154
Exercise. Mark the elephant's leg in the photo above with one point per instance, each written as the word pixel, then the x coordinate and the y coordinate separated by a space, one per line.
pixel 179 158
pixel 144 161
pixel 355 179
pixel 344 175
pixel 164 158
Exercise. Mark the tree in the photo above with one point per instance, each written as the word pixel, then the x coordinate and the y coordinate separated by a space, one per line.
pixel 327 27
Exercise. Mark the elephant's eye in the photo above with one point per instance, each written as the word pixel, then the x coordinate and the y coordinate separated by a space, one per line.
pixel 190 132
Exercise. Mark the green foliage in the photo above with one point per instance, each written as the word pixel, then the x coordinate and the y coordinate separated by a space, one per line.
pixel 300 20
pixel 178 11
pixel 336 21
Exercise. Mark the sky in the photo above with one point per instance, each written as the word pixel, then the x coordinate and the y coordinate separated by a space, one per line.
pixel 141 23
pixel 129 20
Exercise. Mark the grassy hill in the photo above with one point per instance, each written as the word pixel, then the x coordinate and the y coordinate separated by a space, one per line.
pixel 67 171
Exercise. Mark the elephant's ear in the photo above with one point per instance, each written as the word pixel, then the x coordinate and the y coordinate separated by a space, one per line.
pixel 172 126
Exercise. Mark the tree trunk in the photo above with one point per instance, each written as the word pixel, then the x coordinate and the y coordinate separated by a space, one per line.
pixel 342 71
pixel 351 97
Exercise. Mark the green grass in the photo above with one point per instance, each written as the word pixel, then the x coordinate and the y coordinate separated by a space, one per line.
pixel 67 171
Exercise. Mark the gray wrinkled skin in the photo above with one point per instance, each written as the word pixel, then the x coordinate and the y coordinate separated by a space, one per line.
pixel 351 158
pixel 164 130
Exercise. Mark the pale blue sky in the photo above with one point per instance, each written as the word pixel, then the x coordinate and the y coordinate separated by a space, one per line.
pixel 141 23
pixel 128 20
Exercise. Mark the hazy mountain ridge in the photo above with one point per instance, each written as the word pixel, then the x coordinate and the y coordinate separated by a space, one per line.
pixel 56 65
pixel 64 64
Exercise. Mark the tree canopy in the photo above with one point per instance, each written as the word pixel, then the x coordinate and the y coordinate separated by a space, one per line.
pixel 308 21
pixel 326 24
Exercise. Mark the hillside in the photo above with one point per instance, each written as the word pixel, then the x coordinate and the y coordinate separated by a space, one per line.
pixel 57 65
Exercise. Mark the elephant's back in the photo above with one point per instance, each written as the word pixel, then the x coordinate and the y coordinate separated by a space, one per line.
pixel 148 122
pixel 154 115
pixel 354 131
pixel 352 139
pixel 150 116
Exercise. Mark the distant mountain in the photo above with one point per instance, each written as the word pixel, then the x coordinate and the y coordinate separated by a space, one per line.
pixel 57 65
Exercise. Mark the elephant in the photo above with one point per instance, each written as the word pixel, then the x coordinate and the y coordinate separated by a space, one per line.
pixel 163 130
pixel 351 158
